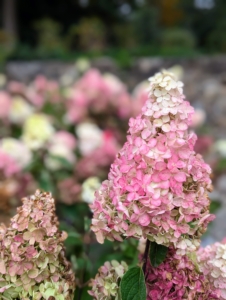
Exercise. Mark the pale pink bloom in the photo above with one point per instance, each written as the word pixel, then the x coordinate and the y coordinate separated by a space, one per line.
pixel 105 285
pixel 212 262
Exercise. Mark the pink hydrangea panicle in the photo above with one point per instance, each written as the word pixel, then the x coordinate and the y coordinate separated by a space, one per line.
pixel 178 278
pixel 212 261
pixel 157 186
pixel 105 285
pixel 32 260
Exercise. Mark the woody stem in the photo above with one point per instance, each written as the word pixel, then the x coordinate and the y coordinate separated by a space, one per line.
pixel 145 257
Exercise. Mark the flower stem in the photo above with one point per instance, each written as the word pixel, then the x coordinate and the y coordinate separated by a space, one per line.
pixel 145 257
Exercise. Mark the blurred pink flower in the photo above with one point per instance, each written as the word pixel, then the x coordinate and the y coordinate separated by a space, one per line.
pixel 97 94
pixel 198 118
pixel 97 162
pixel 77 106
pixel 69 190
pixel 8 165
pixel 37 99
pixel 16 87
pixel 65 138
pixel 16 149
pixel 203 144
pixel 40 83
pixel 140 96
pixel 5 104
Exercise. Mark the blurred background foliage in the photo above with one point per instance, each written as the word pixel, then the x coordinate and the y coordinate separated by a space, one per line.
pixel 66 29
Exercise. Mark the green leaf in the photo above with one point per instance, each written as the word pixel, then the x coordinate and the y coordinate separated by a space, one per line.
pixel 214 206
pixel 87 223
pixel 45 182
pixel 63 161
pixel 193 258
pixel 132 286
pixel 73 239
pixel 157 254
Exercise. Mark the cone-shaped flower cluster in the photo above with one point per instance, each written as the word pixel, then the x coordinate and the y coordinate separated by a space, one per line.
pixel 105 286
pixel 178 278
pixel 212 261
pixel 157 186
pixel 32 261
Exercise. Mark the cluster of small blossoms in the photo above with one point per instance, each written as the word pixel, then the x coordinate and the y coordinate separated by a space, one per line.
pixel 32 261
pixel 212 262
pixel 178 278
pixel 157 186
pixel 105 285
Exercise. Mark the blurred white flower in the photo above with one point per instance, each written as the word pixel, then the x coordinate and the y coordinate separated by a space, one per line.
pixel 2 80
pixel 20 110
pixel 82 65
pixel 89 187
pixel 90 137
pixel 177 70
pixel 57 152
pixel 220 147
pixel 17 150
pixel 141 88
pixel 198 117
pixel 37 130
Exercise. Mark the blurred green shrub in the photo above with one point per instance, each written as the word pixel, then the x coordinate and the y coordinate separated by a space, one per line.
pixel 216 40
pixel 7 44
pixel 176 39
pixel 49 38
pixel 89 35
pixel 124 35
pixel 146 25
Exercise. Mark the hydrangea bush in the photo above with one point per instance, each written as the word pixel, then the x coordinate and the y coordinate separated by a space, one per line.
pixel 157 192
pixel 63 138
